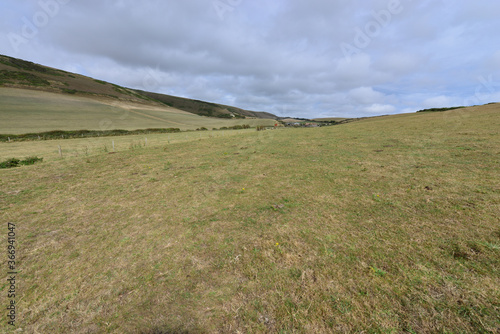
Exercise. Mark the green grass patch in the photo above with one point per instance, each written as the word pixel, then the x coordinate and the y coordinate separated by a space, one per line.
pixel 69 91
pixel 13 162
pixel 14 77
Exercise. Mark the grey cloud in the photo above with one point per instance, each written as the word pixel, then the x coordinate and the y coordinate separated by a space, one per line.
pixel 366 95
pixel 283 57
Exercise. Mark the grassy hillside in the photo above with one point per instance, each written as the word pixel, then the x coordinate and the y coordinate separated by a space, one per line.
pixel 79 94
pixel 25 111
pixel 23 74
pixel 206 108
pixel 378 226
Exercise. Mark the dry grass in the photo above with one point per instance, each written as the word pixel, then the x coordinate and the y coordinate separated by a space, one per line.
pixel 87 147
pixel 24 111
pixel 378 226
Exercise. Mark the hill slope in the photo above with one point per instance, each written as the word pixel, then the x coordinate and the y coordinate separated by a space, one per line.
pixel 28 111
pixel 98 100
pixel 206 108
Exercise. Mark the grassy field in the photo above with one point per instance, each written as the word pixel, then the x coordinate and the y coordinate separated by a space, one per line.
pixel 86 147
pixel 44 111
pixel 386 225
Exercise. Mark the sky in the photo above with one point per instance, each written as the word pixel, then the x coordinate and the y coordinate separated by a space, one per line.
pixel 300 58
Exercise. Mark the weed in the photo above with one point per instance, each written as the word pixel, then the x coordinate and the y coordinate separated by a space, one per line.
pixel 136 145
pixel 295 273
pixel 378 272
pixel 458 252
pixel 490 245
pixel 167 165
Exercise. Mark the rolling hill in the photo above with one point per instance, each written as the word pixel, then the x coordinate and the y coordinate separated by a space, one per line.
pixel 40 98
pixel 206 108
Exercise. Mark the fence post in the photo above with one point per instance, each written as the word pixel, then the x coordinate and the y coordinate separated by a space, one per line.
pixel 113 142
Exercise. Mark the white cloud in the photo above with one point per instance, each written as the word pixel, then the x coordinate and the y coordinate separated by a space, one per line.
pixel 399 63
pixel 365 95
pixel 380 109
pixel 494 61
pixel 438 102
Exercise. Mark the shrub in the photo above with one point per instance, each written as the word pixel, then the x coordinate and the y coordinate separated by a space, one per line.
pixel 439 109
pixel 9 163
pixel 58 134
pixel 69 91
pixel 31 161
pixel 13 162
pixel 22 77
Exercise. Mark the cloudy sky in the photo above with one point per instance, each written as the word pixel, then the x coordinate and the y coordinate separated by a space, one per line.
pixel 302 58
